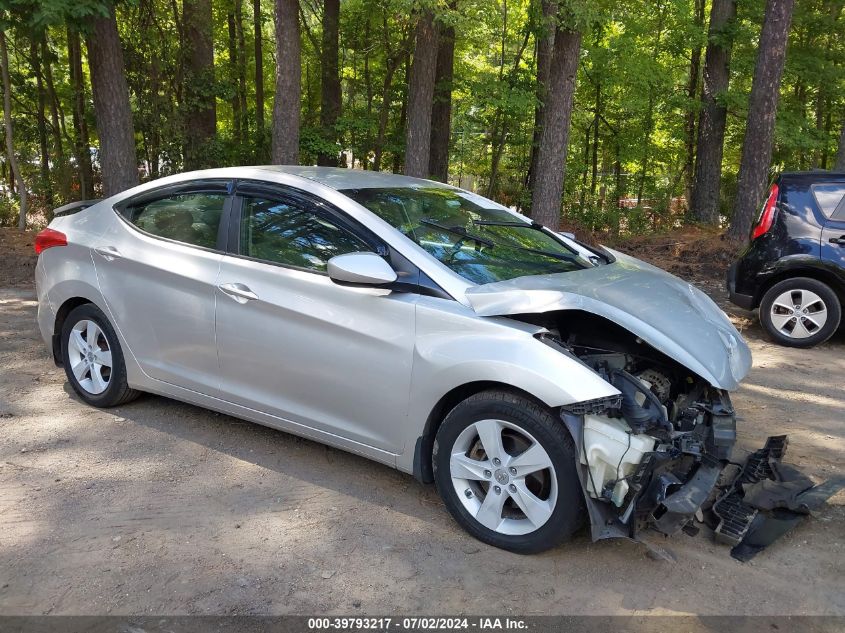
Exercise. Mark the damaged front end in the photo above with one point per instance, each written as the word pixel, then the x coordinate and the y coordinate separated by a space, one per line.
pixel 653 456
pixel 660 455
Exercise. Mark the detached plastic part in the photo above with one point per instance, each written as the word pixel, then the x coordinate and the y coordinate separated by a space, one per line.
pixel 765 500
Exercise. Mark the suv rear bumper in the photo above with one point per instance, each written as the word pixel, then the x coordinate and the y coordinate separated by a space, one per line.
pixel 743 301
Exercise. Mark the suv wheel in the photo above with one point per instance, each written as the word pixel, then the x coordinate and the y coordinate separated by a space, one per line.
pixel 800 312
pixel 93 359
pixel 505 468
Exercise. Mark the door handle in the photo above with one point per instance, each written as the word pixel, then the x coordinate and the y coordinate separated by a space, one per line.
pixel 239 292
pixel 109 253
pixel 839 241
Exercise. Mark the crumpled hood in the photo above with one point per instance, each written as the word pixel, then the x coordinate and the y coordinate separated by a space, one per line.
pixel 671 315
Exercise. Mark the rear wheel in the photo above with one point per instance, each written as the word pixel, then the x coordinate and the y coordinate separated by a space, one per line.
pixel 505 468
pixel 800 312
pixel 93 359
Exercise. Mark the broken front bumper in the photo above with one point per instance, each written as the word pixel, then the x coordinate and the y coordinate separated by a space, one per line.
pixel 696 479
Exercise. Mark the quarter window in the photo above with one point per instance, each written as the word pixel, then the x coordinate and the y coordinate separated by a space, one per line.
pixel 294 233
pixel 192 218
pixel 829 196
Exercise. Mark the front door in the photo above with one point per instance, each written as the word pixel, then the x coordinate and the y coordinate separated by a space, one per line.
pixel 294 344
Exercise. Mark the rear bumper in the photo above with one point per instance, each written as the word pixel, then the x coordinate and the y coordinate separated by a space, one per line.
pixel 46 315
pixel 737 298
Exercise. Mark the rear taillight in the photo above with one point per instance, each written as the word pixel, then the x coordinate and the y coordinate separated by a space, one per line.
pixel 767 216
pixel 49 238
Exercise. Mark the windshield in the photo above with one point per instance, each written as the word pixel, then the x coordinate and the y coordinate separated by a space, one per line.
pixel 469 234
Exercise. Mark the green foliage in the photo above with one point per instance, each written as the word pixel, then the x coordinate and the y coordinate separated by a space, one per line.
pixel 9 209
pixel 627 148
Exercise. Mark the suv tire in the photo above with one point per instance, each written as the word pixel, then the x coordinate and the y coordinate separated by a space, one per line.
pixel 800 312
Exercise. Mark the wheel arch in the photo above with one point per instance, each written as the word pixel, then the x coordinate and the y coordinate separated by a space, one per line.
pixel 818 273
pixel 61 316
pixel 422 467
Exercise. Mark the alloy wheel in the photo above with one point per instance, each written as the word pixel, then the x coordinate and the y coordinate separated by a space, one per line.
pixel 503 477
pixel 798 313
pixel 90 356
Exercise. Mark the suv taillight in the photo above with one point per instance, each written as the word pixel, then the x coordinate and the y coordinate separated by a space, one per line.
pixel 767 216
pixel 49 238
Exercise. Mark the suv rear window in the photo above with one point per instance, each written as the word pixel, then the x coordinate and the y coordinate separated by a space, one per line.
pixel 828 196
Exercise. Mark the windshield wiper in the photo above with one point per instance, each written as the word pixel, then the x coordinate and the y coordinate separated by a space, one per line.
pixel 606 257
pixel 536 226
pixel 458 230
pixel 517 223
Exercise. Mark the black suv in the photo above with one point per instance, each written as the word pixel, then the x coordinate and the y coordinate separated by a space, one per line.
pixel 794 267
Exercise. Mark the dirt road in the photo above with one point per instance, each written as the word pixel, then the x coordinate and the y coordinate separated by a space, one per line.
pixel 161 507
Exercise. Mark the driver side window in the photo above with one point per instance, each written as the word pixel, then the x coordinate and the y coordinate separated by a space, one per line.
pixel 293 233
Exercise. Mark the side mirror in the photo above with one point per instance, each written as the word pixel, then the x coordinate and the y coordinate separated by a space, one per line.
pixel 360 269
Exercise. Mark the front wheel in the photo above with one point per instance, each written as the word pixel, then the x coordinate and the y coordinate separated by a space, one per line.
pixel 800 312
pixel 506 470
pixel 93 359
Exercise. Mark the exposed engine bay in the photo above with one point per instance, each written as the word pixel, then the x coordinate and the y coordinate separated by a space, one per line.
pixel 660 455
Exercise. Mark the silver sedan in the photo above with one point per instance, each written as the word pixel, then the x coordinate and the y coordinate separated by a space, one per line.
pixel 531 377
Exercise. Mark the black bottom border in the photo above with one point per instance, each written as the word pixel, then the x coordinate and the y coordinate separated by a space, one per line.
pixel 403 624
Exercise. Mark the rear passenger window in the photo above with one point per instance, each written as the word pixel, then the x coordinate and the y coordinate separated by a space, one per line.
pixel 192 218
pixel 829 196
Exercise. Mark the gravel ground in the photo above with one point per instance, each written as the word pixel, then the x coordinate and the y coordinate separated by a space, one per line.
pixel 161 507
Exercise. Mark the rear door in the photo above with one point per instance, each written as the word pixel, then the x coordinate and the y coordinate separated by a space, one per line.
pixel 831 200
pixel 157 270
pixel 294 344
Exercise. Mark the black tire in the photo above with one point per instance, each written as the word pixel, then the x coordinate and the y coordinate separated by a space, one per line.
pixel 827 296
pixel 569 512
pixel 118 391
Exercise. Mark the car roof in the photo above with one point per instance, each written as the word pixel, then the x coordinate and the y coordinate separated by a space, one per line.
pixel 341 178
pixel 815 175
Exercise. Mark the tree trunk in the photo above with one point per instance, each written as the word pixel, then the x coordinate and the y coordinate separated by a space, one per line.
pixel 840 151
pixel 56 119
pixel 421 97
pixel 330 99
pixel 259 77
pixel 200 88
pixel 692 99
pixel 82 142
pixel 545 48
pixel 41 124
pixel 9 132
pixel 56 124
pixel 367 145
pixel 819 156
pixel 286 102
pixel 497 147
pixel 403 117
pixel 235 94
pixel 711 124
pixel 551 156
pixel 239 32
pixel 118 162
pixel 441 110
pixel 384 111
pixel 595 174
pixel 762 110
